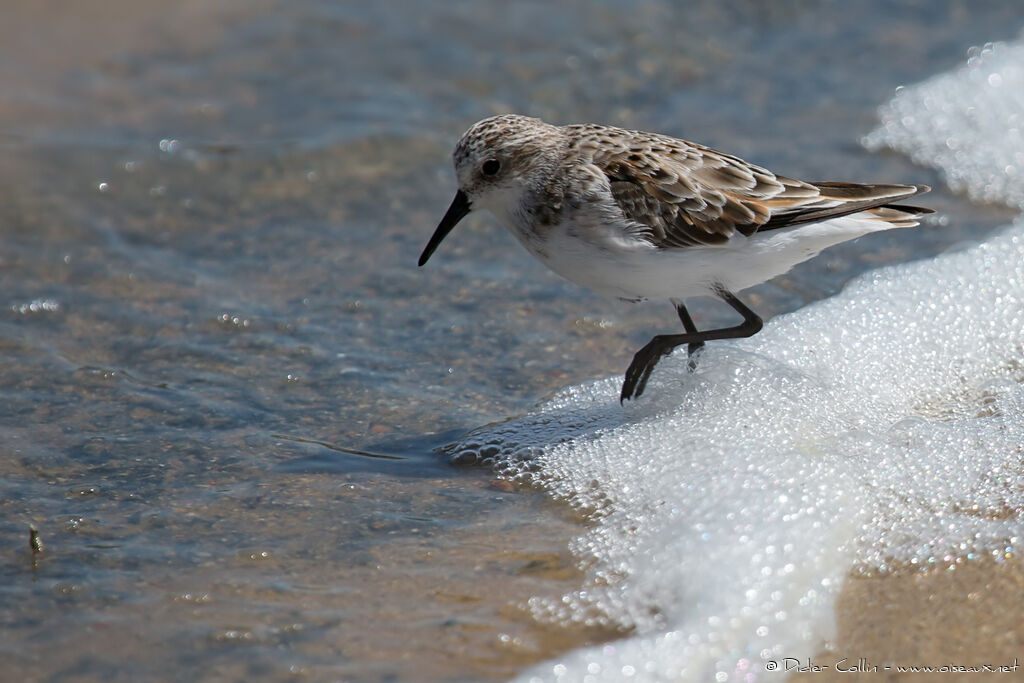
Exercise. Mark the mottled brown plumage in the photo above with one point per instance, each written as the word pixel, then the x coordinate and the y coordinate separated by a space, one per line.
pixel 688 194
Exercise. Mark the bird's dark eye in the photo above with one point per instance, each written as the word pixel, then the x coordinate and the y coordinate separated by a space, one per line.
pixel 491 166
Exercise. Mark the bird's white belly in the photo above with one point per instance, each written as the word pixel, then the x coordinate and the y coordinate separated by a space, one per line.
pixel 628 271
pixel 630 268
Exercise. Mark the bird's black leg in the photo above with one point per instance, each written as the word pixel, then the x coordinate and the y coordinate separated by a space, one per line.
pixel 639 370
pixel 693 347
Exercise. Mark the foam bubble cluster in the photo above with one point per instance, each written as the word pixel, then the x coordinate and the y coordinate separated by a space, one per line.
pixel 968 123
pixel 883 427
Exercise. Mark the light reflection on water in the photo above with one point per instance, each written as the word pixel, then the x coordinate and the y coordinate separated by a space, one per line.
pixel 212 315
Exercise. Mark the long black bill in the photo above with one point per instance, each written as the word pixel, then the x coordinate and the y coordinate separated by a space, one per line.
pixel 456 212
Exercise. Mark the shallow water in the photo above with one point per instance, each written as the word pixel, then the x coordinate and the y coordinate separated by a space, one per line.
pixel 223 377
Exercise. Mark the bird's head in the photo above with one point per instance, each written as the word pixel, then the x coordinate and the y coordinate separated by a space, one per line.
pixel 497 162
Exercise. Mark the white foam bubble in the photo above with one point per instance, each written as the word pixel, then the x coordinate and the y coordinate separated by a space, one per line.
pixel 883 426
pixel 968 123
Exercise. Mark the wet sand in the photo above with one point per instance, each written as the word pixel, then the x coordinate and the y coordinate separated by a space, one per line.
pixel 966 616
pixel 369 597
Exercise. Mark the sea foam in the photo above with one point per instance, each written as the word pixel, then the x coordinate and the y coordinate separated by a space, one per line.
pixel 881 428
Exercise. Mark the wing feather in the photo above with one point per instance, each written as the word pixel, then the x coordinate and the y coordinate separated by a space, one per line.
pixel 684 195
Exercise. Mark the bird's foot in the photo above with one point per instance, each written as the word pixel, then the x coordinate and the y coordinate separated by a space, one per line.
pixel 639 371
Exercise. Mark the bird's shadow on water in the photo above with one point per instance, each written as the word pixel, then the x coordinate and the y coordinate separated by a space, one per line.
pixel 513 440
pixel 409 456
pixel 512 447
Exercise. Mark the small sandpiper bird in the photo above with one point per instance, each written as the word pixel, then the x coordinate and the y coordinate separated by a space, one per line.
pixel 639 215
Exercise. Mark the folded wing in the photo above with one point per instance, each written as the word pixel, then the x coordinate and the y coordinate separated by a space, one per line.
pixel 681 194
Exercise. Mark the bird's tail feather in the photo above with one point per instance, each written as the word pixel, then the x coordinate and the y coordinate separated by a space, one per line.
pixel 898 215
